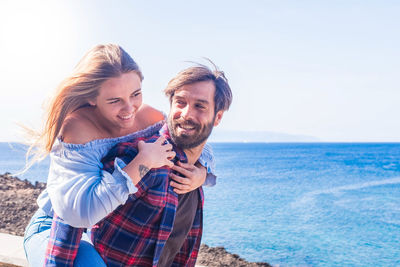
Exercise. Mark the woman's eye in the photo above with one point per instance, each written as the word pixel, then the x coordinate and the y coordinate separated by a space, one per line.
pixel 137 94
pixel 113 102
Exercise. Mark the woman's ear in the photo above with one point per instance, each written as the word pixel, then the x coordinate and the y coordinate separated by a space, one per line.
pixel 92 102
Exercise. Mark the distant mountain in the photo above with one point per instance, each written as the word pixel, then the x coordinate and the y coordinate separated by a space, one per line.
pixel 255 136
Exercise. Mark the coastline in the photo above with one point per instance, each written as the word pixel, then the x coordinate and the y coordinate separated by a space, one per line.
pixel 18 203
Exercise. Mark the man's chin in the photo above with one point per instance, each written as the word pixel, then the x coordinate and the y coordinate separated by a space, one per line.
pixel 185 136
pixel 182 140
pixel 188 142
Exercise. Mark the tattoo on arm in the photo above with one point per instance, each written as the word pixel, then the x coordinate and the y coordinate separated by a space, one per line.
pixel 143 170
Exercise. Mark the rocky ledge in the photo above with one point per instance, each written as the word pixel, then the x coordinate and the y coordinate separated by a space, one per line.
pixel 18 203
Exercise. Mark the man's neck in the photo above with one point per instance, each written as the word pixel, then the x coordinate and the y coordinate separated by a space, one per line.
pixel 193 154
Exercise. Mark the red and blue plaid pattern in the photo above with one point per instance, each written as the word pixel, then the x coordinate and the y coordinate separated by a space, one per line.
pixel 135 233
pixel 63 243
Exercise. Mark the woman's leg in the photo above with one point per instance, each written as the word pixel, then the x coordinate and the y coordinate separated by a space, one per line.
pixel 36 238
pixel 87 255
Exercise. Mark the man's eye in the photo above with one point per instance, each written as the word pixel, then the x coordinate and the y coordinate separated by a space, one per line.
pixel 114 101
pixel 200 106
pixel 137 94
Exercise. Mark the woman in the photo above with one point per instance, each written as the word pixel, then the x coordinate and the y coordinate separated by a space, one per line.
pixel 98 106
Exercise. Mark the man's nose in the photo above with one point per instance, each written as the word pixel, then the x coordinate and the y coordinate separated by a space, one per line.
pixel 187 112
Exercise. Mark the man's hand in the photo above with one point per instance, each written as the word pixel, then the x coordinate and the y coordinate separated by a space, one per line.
pixel 194 177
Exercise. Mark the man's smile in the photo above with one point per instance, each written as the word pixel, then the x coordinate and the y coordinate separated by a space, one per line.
pixel 186 128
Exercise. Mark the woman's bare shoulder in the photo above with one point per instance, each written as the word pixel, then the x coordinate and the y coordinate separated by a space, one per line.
pixel 147 115
pixel 78 128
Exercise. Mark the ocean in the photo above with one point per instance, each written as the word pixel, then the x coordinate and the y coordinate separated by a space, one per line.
pixel 294 204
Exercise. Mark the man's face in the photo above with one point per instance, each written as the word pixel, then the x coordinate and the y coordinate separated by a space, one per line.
pixel 192 116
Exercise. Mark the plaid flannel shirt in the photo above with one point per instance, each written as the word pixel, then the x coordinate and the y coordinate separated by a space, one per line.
pixel 135 233
pixel 63 243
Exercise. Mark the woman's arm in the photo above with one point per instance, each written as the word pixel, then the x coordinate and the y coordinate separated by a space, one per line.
pixel 81 192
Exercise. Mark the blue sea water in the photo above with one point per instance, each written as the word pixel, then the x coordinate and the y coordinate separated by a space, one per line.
pixel 311 204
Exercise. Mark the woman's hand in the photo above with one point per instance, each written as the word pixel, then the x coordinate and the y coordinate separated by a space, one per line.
pixel 157 154
pixel 150 155
pixel 194 176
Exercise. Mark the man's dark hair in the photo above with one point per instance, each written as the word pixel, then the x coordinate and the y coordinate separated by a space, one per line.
pixel 200 73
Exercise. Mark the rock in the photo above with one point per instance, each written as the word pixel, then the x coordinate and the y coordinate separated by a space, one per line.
pixel 218 256
pixel 17 203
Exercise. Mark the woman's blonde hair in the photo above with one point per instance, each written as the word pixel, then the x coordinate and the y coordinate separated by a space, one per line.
pixel 99 64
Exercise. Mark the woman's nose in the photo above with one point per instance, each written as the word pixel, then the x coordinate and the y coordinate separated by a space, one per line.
pixel 129 106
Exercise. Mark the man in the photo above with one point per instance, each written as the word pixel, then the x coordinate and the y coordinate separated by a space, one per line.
pixel 156 226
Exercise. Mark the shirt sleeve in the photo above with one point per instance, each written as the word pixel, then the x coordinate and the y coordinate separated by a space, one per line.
pixel 63 243
pixel 207 160
pixel 81 192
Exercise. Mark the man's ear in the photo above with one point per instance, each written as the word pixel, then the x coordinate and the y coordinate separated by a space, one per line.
pixel 218 117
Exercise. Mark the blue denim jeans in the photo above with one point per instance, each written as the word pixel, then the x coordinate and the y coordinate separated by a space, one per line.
pixel 37 235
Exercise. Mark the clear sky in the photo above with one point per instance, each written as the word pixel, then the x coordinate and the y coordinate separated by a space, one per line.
pixel 320 68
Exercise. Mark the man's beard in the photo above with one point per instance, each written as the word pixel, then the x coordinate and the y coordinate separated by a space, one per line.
pixel 185 141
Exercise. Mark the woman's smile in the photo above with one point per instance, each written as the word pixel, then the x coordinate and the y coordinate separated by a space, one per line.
pixel 126 117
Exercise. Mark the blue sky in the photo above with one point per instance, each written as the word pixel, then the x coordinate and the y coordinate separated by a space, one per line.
pixel 320 68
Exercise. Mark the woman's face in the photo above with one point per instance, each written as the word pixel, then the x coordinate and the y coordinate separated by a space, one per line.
pixel 118 101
